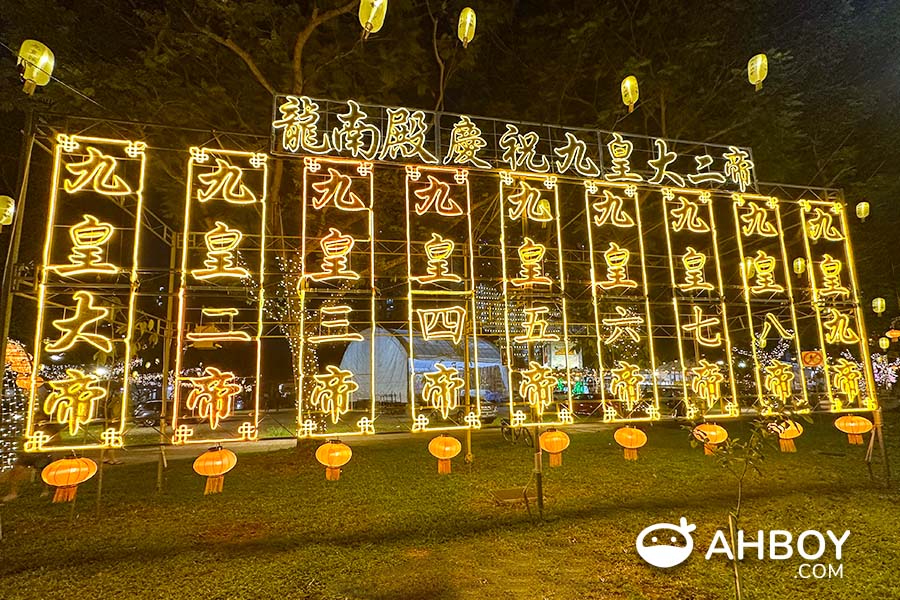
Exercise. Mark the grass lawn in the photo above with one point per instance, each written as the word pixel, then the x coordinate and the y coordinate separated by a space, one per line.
pixel 392 528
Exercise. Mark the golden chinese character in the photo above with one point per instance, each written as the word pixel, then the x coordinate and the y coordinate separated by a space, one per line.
pixel 333 392
pixel 620 150
pixel 704 161
pixel 738 167
pixel 336 247
pixel 772 322
pixel 701 326
pixel 531 272
pixel 763 273
pixel 337 189
pixel 831 277
pixel 442 323
pixel 616 259
pixel 838 328
pixel 779 380
pixel 661 163
pixel 225 182
pixel 623 325
pixel 755 221
pixel 625 384
pixel 706 382
pixel 527 201
pixel 73 400
pixel 537 386
pixel 335 326
pixel 354 133
pixel 465 144
pixel 89 236
pixel 535 326
pixel 74 328
pixel 98 170
pixel 821 225
pixel 212 395
pixel 687 215
pixel 437 196
pixel 610 210
pixel 205 335
pixel 405 136
pixel 845 380
pixel 438 250
pixel 221 243
pixel 441 388
pixel 694 276
pixel 300 123
pixel 520 150
pixel 574 154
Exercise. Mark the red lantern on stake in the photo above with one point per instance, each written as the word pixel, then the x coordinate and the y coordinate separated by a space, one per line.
pixel 554 442
pixel 333 455
pixel 65 475
pixel 854 426
pixel 213 464
pixel 444 448
pixel 631 439
pixel 710 435
pixel 787 434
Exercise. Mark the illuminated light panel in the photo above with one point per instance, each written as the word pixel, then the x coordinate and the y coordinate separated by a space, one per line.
pixel 441 304
pixel 337 293
pixel 212 277
pixel 100 171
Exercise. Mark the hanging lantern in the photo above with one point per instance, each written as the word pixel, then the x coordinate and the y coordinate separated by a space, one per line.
pixel 878 305
pixel 862 210
pixel 884 343
pixel 710 435
pixel 371 15
pixel 35 65
pixel 65 474
pixel 7 210
pixel 333 455
pixel 893 334
pixel 631 439
pixel 630 92
pixel 757 69
pixel 466 29
pixel 787 434
pixel 554 442
pixel 213 464
pixel 854 426
pixel 443 448
pixel 799 265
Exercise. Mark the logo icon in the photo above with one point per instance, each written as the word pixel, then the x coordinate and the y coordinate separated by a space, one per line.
pixel 669 544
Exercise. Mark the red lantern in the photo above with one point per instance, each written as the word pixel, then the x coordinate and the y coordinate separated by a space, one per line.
pixel 213 464
pixel 66 474
pixel 711 435
pixel 854 426
pixel 554 442
pixel 444 448
pixel 333 455
pixel 631 439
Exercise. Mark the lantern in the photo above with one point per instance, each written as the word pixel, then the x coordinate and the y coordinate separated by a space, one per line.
pixel 757 69
pixel 893 334
pixel 35 65
pixel 443 448
pixel 854 426
pixel 862 210
pixel 878 305
pixel 466 29
pixel 630 92
pixel 7 210
pixel 333 455
pixel 371 15
pixel 884 343
pixel 213 464
pixel 799 265
pixel 554 442
pixel 65 475
pixel 710 435
pixel 631 439
pixel 787 434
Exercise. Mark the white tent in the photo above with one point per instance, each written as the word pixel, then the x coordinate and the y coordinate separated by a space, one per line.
pixel 392 363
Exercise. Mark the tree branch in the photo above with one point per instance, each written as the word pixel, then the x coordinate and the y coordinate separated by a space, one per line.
pixel 303 36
